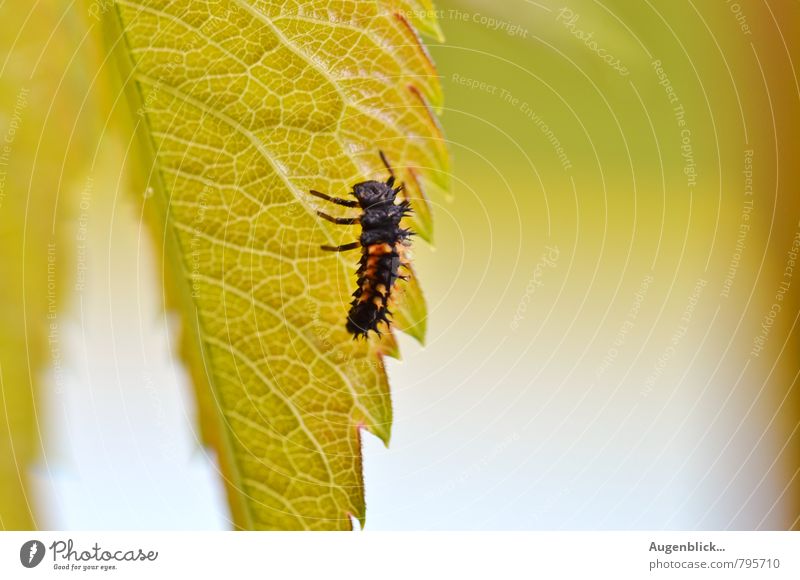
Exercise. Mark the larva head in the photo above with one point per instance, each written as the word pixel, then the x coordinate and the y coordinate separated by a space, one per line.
pixel 372 193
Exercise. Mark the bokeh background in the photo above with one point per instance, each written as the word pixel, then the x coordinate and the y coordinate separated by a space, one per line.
pixel 613 288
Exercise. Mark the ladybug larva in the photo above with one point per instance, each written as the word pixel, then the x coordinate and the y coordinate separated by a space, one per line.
pixel 382 242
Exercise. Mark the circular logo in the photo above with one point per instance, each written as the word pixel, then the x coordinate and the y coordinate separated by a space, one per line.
pixel 31 553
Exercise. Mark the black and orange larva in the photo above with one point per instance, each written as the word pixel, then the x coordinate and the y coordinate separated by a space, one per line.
pixel 382 244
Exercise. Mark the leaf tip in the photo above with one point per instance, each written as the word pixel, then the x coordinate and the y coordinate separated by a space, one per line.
pixel 387 346
pixel 381 429
pixel 417 331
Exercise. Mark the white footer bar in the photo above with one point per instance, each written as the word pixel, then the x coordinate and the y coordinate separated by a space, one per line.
pixel 401 555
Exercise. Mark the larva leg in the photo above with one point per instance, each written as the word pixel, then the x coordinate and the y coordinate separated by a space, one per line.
pixel 342 248
pixel 390 181
pixel 336 200
pixel 340 221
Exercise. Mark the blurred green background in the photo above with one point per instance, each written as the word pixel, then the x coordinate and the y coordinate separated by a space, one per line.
pixel 613 294
pixel 591 359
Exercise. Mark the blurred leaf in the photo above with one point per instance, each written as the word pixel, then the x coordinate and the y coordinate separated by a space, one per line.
pixel 244 107
pixel 47 126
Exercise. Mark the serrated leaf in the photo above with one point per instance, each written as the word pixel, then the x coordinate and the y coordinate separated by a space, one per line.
pixel 411 313
pixel 421 221
pixel 244 107
pixel 422 14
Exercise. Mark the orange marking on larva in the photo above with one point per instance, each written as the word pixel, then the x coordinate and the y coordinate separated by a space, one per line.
pixel 400 250
pixel 379 249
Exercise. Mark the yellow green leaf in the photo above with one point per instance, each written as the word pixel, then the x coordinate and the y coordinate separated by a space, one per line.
pixel 243 107
pixel 421 14
pixel 411 313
